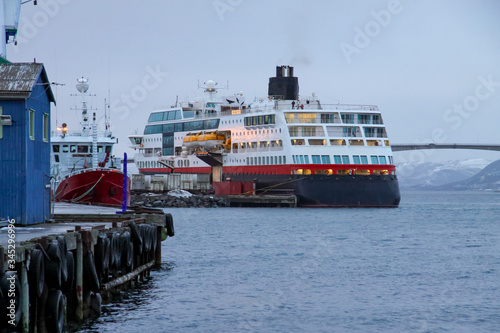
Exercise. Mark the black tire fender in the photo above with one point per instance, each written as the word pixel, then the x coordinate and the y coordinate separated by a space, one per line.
pixel 68 284
pixel 154 237
pixel 136 237
pixel 146 239
pixel 102 254
pixel 36 273
pixel 170 225
pixel 127 251
pixel 55 311
pixel 53 266
pixel 61 241
pixel 118 251
pixel 90 278
pixel 111 262
pixel 107 253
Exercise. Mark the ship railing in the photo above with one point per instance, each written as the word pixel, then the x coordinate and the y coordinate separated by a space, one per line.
pixel 80 171
pixel 80 133
pixel 282 106
pixel 376 135
pixel 306 134
pixel 314 105
pixel 312 121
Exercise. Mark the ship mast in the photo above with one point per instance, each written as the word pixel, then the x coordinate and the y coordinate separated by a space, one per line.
pixel 82 86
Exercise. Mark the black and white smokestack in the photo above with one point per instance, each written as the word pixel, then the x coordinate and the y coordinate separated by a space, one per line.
pixel 284 86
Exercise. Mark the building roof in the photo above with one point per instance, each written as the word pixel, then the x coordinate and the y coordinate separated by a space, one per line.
pixel 18 79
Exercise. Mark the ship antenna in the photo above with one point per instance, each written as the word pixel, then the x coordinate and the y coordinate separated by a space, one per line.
pixel 106 122
pixel 94 143
pixel 107 110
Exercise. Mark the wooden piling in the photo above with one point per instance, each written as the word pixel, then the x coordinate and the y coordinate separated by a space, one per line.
pixel 79 277
pixel 25 295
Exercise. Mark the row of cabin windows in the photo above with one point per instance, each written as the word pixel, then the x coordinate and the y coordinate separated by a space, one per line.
pixel 155 164
pixel 262 145
pixel 266 160
pixel 341 159
pixel 268 131
pixel 333 118
pixel 361 119
pixel 79 149
pixel 260 120
pixel 183 127
pixel 233 121
pixel 162 116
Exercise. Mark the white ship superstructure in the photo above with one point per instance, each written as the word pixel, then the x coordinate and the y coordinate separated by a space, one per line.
pixel 85 148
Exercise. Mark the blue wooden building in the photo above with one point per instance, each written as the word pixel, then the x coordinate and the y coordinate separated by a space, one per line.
pixel 25 97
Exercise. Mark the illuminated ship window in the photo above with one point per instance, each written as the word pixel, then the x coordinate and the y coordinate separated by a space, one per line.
pixel 323 172
pixel 298 142
pixel 357 142
pixel 337 142
pixel 317 142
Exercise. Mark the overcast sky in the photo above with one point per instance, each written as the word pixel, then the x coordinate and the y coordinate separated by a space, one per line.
pixel 432 66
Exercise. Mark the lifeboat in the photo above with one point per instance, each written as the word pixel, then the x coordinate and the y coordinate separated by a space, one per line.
pixel 191 140
pixel 210 139
pixel 227 144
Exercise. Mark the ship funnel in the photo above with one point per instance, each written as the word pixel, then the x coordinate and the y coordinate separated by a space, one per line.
pixel 284 85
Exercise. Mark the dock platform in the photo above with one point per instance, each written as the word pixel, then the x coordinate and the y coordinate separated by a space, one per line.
pixel 261 200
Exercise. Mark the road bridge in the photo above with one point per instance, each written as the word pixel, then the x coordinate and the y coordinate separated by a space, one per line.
pixel 403 146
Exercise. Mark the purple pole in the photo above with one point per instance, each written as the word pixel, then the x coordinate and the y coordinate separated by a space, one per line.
pixel 124 191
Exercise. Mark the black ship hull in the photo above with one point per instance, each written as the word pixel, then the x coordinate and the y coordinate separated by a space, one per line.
pixel 330 191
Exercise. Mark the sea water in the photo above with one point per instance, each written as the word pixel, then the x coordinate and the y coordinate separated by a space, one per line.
pixel 431 265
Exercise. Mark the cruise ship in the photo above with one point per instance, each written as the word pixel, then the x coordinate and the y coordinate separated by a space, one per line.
pixel 327 155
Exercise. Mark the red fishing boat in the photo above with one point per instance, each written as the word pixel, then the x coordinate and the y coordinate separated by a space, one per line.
pixel 83 167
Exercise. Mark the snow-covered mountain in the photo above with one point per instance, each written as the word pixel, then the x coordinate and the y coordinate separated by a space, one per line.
pixel 486 179
pixel 431 175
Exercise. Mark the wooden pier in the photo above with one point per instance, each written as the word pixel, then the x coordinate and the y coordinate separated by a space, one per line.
pixel 66 270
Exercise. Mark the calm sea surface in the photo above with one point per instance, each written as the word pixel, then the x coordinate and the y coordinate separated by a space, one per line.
pixel 431 265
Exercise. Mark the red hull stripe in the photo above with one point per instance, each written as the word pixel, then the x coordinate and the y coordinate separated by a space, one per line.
pixel 284 169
